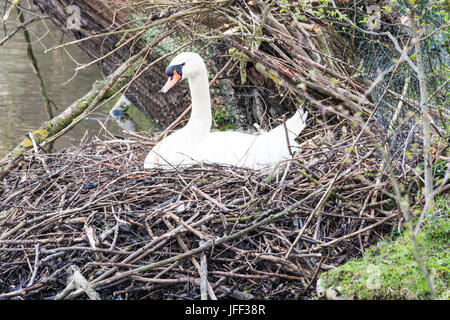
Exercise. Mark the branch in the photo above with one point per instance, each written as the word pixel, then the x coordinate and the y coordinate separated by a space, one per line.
pixel 17 29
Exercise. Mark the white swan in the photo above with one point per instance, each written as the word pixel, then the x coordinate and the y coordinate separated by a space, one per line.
pixel 196 143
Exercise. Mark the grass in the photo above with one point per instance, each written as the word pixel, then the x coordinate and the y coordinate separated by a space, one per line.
pixel 389 270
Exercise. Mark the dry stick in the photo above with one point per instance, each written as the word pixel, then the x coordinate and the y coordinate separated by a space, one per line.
pixel 13 230
pixel 399 105
pixel 350 235
pixel 36 151
pixel 188 227
pixel 81 248
pixel 276 275
pixel 209 244
pixel 374 199
pixel 78 281
pixel 283 180
pixel 238 275
pixel 152 245
pixel 365 203
pixel 288 166
pixel 173 265
pixel 209 198
pixel 314 213
pixel 10 165
pixel 17 29
pixel 223 277
pixel 287 136
pixel 278 260
pixel 10 9
pixel 194 261
pixel 147 140
pixel 322 259
pixel 203 276
pixel 21 292
pixel 53 215
pixel 165 281
pixel 111 52
pixel 36 261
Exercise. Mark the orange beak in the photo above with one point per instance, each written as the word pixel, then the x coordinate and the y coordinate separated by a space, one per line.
pixel 171 82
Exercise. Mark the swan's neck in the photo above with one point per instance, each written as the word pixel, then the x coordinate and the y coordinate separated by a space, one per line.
pixel 201 104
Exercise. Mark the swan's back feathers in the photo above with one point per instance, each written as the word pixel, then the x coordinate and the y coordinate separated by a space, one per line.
pixel 228 147
pixel 295 124
pixel 273 146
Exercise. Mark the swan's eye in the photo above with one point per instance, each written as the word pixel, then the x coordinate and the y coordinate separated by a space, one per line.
pixel 175 74
pixel 178 68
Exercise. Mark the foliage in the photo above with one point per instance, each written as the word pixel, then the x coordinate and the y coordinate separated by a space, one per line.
pixel 389 270
pixel 222 119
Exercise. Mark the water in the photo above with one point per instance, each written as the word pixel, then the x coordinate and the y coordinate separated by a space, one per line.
pixel 21 105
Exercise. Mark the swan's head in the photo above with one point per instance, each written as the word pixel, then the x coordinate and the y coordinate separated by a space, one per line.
pixel 183 66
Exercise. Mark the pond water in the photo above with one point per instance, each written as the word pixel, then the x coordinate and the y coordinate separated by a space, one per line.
pixel 21 105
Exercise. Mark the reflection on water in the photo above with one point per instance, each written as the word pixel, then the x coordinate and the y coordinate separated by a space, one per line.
pixel 119 113
pixel 21 106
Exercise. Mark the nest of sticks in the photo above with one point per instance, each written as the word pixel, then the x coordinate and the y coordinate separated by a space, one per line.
pixel 89 222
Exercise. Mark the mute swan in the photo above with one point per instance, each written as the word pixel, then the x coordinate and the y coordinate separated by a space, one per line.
pixel 196 143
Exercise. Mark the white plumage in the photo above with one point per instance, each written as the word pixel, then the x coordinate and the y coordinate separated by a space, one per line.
pixel 195 142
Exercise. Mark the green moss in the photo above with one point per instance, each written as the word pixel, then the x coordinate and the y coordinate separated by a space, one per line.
pixel 222 119
pixel 97 85
pixel 389 270
pixel 166 45
pixel 41 134
pixel 26 143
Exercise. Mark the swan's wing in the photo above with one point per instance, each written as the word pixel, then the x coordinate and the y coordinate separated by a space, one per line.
pixel 174 150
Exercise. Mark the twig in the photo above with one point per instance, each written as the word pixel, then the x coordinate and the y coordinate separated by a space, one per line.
pixel 209 198
pixel 36 261
pixel 203 276
pixel 18 28
pixel 314 214
pixel 78 281
pixel 13 5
